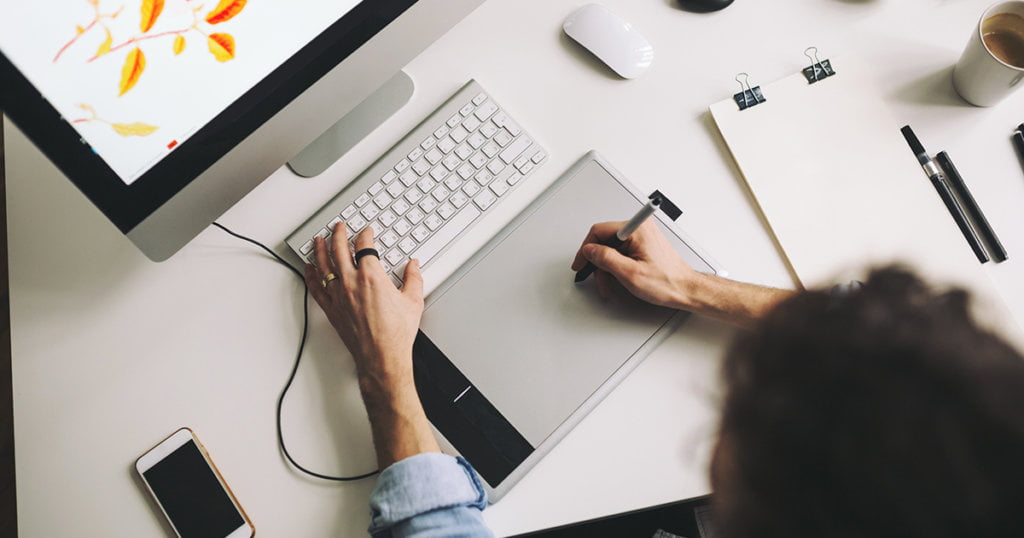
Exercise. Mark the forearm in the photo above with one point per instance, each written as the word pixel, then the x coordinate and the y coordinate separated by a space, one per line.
pixel 397 420
pixel 737 303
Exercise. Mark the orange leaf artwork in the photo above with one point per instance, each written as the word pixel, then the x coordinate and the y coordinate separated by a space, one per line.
pixel 133 129
pixel 225 10
pixel 105 46
pixel 150 12
pixel 179 44
pixel 134 63
pixel 222 46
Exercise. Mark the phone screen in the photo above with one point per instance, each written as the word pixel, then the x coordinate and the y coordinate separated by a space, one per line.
pixel 190 493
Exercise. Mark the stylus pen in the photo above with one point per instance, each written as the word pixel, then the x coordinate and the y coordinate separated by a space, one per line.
pixel 623 234
pixel 984 228
pixel 934 174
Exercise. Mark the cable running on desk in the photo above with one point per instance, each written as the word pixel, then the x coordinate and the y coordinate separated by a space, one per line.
pixel 298 359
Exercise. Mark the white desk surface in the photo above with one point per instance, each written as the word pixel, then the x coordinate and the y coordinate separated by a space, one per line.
pixel 112 352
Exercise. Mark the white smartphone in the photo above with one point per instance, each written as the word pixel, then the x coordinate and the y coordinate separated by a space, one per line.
pixel 190 491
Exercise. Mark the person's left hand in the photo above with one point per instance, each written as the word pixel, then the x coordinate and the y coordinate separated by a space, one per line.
pixel 375 320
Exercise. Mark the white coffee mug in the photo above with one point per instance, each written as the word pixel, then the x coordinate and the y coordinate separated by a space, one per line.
pixel 980 77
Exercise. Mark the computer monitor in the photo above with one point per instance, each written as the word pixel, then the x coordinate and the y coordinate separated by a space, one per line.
pixel 165 113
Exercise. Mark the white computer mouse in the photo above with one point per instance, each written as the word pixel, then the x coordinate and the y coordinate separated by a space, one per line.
pixel 613 40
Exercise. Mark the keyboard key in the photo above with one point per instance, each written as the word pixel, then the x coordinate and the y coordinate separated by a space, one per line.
pixel 459 199
pixel 370 212
pixel 485 199
pixel 464 151
pixel 419 168
pixel 499 119
pixel 446 210
pixel 515 178
pixel 389 238
pixel 489 129
pixel 396 189
pixel 388 217
pixel 445 235
pixel 428 143
pixel 484 177
pixel 348 212
pixel 453 183
pixel 355 224
pixel 403 165
pixel 440 193
pixel 476 140
pixel 466 171
pixel 503 138
pixel 389 177
pixel 459 134
pixel 387 266
pixel 513 128
pixel 306 247
pixel 446 145
pixel 451 162
pixel 400 206
pixel 428 204
pixel 382 200
pixel 415 215
pixel 440 132
pixel 363 198
pixel 376 188
pixel 478 160
pixel 413 196
pixel 394 256
pixel 433 221
pixel 514 149
pixel 486 110
pixel 480 98
pixel 539 156
pixel 499 187
pixel 333 223
pixel 471 123
pixel 407 245
pixel 426 184
pixel 420 233
pixel 434 156
pixel 414 155
pixel 521 161
pixel 439 173
pixel 453 121
pixel 402 227
pixel 471 188
pixel 496 166
pixel 377 228
pixel 467 110
pixel 527 167
pixel 491 149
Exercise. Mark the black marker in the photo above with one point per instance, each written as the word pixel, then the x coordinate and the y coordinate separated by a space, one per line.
pixel 987 233
pixel 933 173
pixel 622 235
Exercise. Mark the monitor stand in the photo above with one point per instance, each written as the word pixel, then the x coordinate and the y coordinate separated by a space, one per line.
pixel 354 126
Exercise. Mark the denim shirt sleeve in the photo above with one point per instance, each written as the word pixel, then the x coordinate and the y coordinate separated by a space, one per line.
pixel 428 495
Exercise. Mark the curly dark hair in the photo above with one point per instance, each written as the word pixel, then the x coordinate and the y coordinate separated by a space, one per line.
pixel 883 412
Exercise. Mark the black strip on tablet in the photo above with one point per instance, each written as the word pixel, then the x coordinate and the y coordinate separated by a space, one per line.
pixel 464 416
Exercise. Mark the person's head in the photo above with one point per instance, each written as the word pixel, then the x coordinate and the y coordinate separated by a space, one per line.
pixel 882 412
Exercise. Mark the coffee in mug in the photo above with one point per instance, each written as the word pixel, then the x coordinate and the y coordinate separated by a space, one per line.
pixel 992 65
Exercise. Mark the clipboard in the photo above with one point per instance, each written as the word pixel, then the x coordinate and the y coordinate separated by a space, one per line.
pixel 511 354
pixel 839 187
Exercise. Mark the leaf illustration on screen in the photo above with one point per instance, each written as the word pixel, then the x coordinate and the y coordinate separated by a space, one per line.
pixel 134 64
pixel 124 129
pixel 150 12
pixel 179 44
pixel 222 46
pixel 225 10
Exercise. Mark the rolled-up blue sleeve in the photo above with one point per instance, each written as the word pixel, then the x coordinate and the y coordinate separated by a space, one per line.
pixel 428 495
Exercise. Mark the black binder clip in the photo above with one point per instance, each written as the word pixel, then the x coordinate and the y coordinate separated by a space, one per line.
pixel 748 96
pixel 818 70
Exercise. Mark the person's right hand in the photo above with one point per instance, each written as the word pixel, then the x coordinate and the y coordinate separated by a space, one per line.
pixel 646 264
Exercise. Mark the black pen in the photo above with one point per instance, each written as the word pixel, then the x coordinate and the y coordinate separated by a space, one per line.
pixel 984 228
pixel 934 174
pixel 1018 140
pixel 623 234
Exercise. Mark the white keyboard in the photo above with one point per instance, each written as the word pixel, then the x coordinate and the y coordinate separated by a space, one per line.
pixel 427 190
